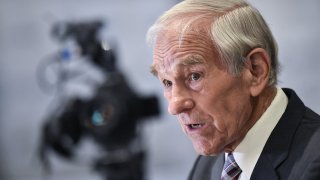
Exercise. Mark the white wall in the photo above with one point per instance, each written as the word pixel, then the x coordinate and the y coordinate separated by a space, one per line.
pixel 25 40
pixel 295 25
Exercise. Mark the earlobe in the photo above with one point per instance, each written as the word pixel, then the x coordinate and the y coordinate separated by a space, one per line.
pixel 259 64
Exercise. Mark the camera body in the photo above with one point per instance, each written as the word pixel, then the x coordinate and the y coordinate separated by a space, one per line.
pixel 111 117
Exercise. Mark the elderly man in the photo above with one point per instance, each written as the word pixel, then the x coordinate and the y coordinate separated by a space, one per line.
pixel 217 61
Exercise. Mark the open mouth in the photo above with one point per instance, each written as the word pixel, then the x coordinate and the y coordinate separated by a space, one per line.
pixel 195 126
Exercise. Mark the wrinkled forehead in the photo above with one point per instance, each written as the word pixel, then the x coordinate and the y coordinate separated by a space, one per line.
pixel 182 38
pixel 174 49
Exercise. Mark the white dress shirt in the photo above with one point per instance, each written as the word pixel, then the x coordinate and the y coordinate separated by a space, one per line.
pixel 248 151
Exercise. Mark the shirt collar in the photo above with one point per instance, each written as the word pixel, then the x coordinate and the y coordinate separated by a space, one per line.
pixel 248 151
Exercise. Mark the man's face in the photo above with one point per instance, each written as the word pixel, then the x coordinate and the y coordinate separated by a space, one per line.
pixel 212 106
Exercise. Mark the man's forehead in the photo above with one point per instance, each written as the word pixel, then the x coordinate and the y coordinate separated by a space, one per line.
pixel 163 66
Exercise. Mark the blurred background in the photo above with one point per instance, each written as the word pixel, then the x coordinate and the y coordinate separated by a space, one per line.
pixel 26 41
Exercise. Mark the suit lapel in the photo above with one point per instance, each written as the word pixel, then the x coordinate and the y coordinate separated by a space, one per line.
pixel 217 167
pixel 207 168
pixel 278 144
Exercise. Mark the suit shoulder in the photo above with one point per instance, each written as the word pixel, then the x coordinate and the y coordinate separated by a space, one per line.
pixel 307 168
pixel 311 115
pixel 202 167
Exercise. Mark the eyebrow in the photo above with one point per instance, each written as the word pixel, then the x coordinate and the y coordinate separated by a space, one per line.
pixel 153 70
pixel 192 60
pixel 189 61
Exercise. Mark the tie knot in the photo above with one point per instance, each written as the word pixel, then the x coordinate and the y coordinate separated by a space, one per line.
pixel 231 170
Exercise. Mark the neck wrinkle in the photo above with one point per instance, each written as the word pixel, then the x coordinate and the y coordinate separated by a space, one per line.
pixel 260 104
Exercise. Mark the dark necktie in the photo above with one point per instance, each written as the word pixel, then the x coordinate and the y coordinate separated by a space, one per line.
pixel 231 170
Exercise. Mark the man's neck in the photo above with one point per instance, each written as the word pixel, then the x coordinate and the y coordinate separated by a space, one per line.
pixel 260 104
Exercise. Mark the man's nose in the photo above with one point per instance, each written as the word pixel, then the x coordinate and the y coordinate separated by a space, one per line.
pixel 180 101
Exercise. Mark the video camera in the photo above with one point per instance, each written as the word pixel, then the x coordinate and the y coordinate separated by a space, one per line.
pixel 86 36
pixel 111 117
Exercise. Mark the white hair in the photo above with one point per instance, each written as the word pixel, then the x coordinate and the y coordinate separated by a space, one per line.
pixel 234 26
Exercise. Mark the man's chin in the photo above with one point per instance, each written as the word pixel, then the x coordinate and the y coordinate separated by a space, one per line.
pixel 205 151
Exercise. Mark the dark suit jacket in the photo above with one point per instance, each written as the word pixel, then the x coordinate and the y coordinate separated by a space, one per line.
pixel 291 152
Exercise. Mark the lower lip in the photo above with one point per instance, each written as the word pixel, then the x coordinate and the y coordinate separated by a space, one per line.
pixel 190 130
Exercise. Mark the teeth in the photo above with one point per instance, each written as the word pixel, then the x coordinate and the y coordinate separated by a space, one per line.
pixel 195 126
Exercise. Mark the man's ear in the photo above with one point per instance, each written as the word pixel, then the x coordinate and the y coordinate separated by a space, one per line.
pixel 258 64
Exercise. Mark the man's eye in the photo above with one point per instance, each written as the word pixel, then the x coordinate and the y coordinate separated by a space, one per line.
pixel 167 83
pixel 195 76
